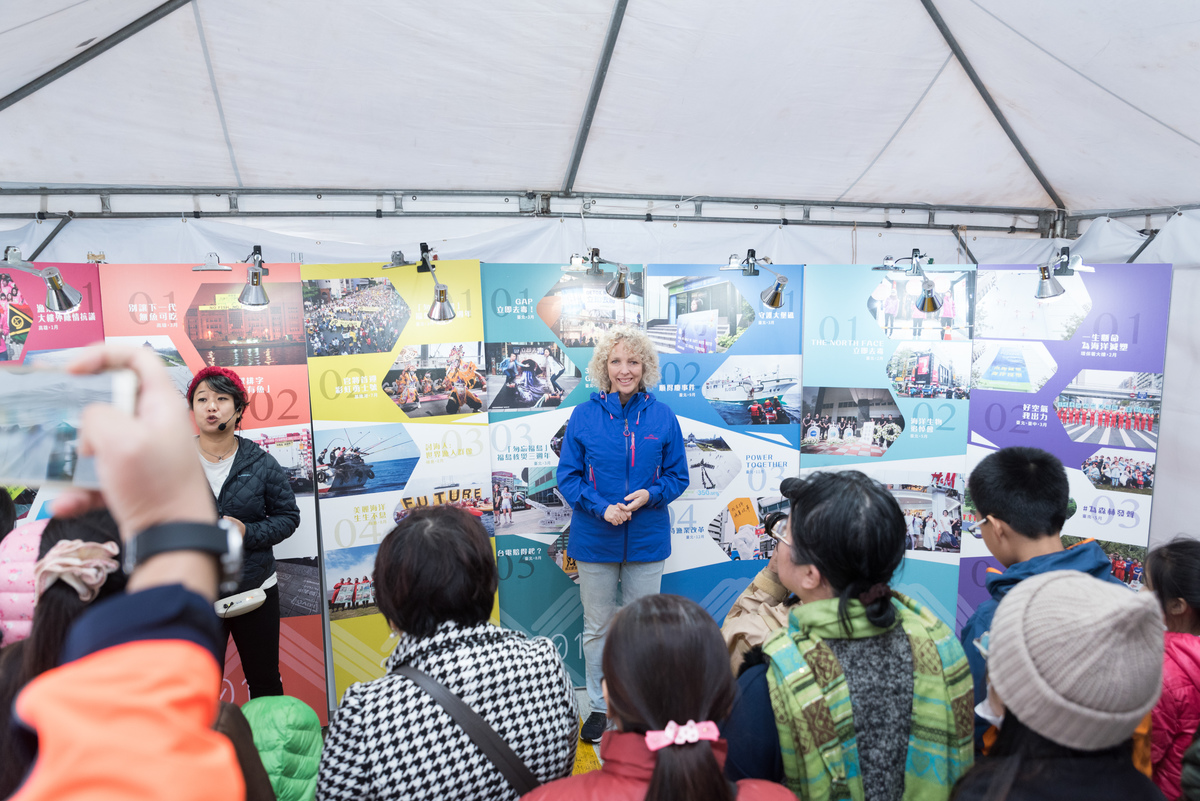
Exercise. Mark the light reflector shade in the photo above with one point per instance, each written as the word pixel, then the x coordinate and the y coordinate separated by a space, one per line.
pixel 61 296
pixel 441 310
pixel 1048 286
pixel 928 302
pixel 772 296
pixel 254 294
pixel 619 286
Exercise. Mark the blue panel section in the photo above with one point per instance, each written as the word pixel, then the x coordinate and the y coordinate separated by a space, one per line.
pixel 715 587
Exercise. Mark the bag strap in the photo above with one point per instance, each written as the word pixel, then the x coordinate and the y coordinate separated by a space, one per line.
pixel 484 736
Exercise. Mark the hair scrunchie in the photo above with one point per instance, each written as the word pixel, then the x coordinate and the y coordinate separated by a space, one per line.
pixel 676 734
pixel 83 565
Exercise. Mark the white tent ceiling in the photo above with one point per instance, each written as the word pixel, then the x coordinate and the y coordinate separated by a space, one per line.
pixel 795 99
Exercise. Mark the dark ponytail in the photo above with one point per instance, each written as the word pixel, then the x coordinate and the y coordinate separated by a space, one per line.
pixel 56 609
pixel 852 530
pixel 60 604
pixel 665 660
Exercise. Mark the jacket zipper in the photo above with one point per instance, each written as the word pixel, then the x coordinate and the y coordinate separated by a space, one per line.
pixel 625 555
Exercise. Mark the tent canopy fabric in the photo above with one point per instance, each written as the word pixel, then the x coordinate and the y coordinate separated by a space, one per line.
pixel 831 102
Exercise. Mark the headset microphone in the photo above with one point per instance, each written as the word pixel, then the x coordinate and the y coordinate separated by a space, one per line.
pixel 222 426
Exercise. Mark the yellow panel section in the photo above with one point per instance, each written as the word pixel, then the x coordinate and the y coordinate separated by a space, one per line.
pixel 360 645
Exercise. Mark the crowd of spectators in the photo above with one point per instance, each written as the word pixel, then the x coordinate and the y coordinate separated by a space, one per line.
pixel 1119 472
pixel 365 320
pixel 824 682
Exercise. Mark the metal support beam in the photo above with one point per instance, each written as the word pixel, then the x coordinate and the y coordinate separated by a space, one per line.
pixel 1138 212
pixel 1145 245
pixel 61 224
pixel 589 111
pixel 413 194
pixel 966 249
pixel 516 214
pixel 108 42
pixel 991 104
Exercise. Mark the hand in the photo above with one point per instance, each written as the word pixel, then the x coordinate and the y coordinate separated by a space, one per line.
pixel 637 499
pixel 616 515
pixel 148 470
pixel 241 527
pixel 773 562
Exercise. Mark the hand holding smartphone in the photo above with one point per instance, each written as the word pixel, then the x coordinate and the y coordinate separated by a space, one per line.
pixel 40 420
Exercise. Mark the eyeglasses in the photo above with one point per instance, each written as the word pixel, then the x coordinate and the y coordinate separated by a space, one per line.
pixel 976 529
pixel 778 538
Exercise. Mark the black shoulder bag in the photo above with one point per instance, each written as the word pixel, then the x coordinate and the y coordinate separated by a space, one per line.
pixel 484 736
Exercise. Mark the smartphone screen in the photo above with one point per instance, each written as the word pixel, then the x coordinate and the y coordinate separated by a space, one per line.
pixel 39 423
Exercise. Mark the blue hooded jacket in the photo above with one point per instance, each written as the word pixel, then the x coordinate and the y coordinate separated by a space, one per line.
pixel 1086 557
pixel 609 451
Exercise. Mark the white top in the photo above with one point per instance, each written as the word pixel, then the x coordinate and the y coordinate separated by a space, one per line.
pixel 217 472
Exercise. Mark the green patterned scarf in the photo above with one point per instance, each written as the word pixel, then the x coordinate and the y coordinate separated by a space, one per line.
pixel 811 701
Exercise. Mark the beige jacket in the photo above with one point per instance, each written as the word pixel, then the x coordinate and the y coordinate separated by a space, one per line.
pixel 758 611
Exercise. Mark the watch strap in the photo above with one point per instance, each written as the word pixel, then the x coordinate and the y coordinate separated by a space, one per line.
pixel 178 536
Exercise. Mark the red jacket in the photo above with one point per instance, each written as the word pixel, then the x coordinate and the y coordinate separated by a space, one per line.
pixel 628 765
pixel 1174 719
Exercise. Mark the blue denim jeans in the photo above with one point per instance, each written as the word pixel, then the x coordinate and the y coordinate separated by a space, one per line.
pixel 598 582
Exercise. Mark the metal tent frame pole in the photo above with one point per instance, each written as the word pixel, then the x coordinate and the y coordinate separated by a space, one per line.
pixel 589 112
pixel 991 103
pixel 77 61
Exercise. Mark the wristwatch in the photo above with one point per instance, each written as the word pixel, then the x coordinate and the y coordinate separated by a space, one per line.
pixel 222 540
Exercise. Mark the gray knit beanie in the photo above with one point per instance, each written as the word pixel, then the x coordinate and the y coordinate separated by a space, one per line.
pixel 1077 659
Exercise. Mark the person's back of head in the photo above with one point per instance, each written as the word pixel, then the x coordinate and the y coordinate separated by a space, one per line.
pixel 1076 659
pixel 65 588
pixel 850 528
pixel 435 566
pixel 665 662
pixel 1172 571
pixel 1026 488
pixel 60 599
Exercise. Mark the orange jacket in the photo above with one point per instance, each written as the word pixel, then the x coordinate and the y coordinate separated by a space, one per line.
pixel 132 720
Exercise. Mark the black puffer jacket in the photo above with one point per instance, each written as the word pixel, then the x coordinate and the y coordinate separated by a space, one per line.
pixel 257 493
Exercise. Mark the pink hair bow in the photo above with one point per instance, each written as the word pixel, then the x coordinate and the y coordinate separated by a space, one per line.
pixel 674 734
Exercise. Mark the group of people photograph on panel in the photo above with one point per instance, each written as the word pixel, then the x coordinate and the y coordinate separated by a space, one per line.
pixel 822 682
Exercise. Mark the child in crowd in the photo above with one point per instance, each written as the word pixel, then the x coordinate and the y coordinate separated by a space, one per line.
pixel 666 682
pixel 1021 497
pixel 863 690
pixel 1173 573
pixel 1075 665
pixel 77 564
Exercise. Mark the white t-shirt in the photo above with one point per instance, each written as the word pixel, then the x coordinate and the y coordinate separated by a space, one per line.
pixel 217 472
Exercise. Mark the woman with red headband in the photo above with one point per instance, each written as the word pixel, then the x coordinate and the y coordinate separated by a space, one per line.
pixel 252 493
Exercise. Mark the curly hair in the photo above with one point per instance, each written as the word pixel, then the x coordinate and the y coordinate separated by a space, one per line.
pixel 637 343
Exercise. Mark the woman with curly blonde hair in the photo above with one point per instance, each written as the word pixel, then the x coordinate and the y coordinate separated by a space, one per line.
pixel 622 462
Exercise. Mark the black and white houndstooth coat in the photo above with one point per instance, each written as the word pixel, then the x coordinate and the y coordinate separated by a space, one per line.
pixel 390 740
